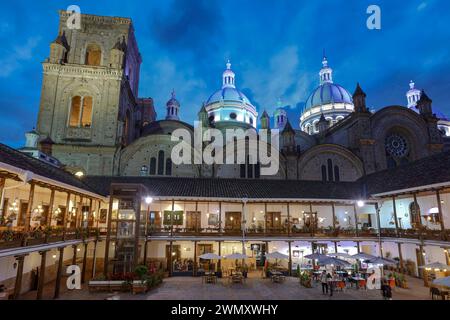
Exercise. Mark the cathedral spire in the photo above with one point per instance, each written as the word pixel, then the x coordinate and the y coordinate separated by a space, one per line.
pixel 228 76
pixel 173 107
pixel 326 73
pixel 412 95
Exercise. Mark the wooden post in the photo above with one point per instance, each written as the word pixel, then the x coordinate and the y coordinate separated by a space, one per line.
pixel 220 216
pixel 333 211
pixel 416 207
pixel 265 220
pixel 195 259
pixel 48 218
pixel 313 260
pixel 313 229
pixel 170 258
pixel 395 216
pixel 83 270
pixel 90 213
pixel 400 256
pixel 66 213
pixel 59 273
pixel 41 279
pixel 289 222
pixel 29 207
pixel 219 263
pixel 441 216
pixel 137 230
pixel 290 259
pixel 145 251
pixel 356 220
pixel 108 238
pixel 74 257
pixel 94 258
pixel 2 186
pixel 358 248
pixel 171 220
pixel 19 275
pixel 335 246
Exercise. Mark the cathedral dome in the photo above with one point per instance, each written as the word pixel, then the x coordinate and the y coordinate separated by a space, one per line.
pixel 228 94
pixel 328 93
pixel 229 105
pixel 328 100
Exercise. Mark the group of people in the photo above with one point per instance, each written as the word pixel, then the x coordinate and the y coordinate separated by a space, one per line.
pixel 327 280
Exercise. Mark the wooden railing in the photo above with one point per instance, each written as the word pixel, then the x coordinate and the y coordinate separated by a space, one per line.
pixel 423 234
pixel 17 238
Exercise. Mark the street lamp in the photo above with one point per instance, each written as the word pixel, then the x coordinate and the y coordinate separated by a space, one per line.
pixel 360 203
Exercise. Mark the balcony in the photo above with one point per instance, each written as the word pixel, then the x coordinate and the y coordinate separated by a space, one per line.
pixel 14 238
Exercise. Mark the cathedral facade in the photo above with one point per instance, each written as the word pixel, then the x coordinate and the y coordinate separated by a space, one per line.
pixel 93 121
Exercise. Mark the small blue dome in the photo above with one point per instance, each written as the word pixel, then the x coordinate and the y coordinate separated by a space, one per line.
pixel 328 93
pixel 228 94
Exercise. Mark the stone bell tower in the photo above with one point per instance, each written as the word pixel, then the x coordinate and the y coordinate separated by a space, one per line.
pixel 89 103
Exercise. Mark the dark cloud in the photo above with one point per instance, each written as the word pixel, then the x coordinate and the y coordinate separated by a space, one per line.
pixel 189 26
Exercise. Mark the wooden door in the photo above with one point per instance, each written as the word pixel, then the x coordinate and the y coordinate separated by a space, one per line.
pixel 233 221
pixel 193 220
pixel 154 219
pixel 22 214
pixel 310 220
pixel 273 221
pixel 176 254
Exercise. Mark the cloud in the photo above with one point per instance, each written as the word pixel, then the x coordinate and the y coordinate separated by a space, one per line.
pixel 281 78
pixel 422 6
pixel 13 59
pixel 194 26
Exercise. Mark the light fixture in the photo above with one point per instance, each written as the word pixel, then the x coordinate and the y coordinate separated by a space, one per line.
pixel 254 218
pixel 54 256
pixel 78 249
pixel 360 203
pixel 79 174
pixel 148 200
pixel 231 218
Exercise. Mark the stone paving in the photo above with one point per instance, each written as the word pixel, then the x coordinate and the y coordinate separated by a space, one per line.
pixel 255 288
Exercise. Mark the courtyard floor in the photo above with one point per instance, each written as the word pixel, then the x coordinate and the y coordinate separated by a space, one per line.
pixel 255 288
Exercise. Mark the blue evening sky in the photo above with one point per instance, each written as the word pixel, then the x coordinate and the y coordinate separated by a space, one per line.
pixel 275 48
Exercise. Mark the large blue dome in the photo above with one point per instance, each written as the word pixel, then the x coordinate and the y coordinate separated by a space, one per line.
pixel 228 94
pixel 328 93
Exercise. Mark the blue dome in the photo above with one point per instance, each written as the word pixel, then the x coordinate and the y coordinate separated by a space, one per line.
pixel 228 94
pixel 328 93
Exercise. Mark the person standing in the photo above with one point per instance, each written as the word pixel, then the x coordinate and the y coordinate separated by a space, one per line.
pixel 330 283
pixel 324 281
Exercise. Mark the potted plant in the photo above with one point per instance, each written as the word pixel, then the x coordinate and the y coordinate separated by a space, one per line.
pixel 305 280
pixel 140 285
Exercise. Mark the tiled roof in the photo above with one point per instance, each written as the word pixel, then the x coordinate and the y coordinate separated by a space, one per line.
pixel 234 188
pixel 23 161
pixel 431 170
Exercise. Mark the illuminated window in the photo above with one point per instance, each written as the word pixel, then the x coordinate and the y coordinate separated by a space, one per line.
pixel 81 112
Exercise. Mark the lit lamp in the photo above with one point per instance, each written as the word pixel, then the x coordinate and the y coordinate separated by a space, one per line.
pixel 148 200
pixel 360 203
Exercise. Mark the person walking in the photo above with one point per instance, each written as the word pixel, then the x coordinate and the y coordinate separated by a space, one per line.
pixel 324 281
pixel 386 290
pixel 330 283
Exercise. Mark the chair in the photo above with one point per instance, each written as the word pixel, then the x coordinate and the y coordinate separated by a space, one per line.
pixel 434 292
pixel 362 284
pixel 341 285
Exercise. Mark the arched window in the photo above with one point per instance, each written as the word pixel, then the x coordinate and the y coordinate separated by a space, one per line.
pixel 153 166
pixel 168 167
pixel 324 173
pixel 337 177
pixel 93 55
pixel 81 112
pixel 161 163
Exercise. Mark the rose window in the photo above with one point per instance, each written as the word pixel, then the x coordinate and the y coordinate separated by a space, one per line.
pixel 396 145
